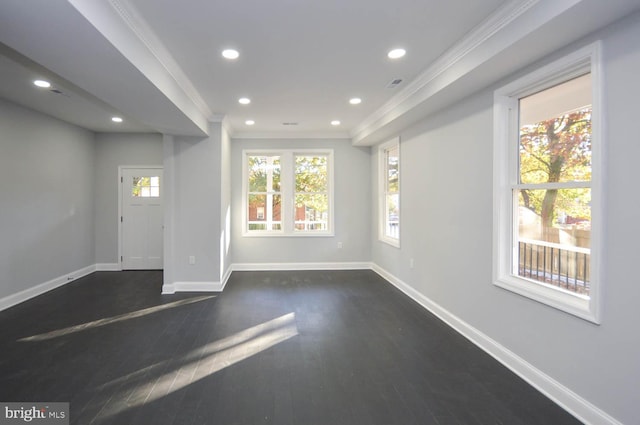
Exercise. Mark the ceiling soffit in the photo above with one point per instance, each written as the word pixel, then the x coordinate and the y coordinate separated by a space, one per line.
pixel 129 33
pixel 511 23
pixel 135 39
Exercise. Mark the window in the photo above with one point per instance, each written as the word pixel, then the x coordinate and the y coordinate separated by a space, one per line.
pixel 389 189
pixel 548 155
pixel 264 198
pixel 288 193
pixel 145 187
pixel 311 193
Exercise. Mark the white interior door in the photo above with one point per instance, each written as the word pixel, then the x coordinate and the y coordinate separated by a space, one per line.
pixel 141 219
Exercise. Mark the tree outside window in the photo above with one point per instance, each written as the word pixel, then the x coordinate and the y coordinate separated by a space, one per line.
pixel 287 192
pixel 554 194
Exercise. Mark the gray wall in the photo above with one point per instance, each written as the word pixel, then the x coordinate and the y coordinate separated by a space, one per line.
pixel 195 225
pixel 352 198
pixel 226 249
pixel 112 151
pixel 46 196
pixel 447 228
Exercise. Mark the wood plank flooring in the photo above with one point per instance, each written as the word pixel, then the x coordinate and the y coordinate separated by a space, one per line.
pixel 305 348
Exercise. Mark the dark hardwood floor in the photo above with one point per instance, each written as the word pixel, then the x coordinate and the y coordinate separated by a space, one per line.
pixel 338 347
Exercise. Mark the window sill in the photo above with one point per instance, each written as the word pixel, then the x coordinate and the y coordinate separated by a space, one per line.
pixel 576 305
pixel 288 235
pixel 389 241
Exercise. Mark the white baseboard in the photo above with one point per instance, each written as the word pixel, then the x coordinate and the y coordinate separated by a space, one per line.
pixel 172 288
pixel 34 291
pixel 300 266
pixel 226 276
pixel 108 267
pixel 563 396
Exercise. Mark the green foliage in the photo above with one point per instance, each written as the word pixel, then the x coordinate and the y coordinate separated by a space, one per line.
pixel 393 173
pixel 261 170
pixel 311 181
pixel 557 150
pixel 311 176
pixel 144 182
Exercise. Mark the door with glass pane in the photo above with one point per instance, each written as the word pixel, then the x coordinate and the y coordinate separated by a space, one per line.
pixel 142 218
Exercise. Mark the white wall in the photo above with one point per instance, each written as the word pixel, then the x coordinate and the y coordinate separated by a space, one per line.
pixel 193 173
pixel 46 199
pixel 352 198
pixel 226 252
pixel 447 228
pixel 112 151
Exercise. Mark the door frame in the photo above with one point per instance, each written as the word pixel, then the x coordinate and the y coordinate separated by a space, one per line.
pixel 121 168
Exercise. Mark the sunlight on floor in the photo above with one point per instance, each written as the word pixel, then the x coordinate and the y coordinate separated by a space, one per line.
pixel 199 363
pixel 114 319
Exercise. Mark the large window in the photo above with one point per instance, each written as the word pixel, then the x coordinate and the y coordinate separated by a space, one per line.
pixel 264 198
pixel 547 156
pixel 288 193
pixel 389 189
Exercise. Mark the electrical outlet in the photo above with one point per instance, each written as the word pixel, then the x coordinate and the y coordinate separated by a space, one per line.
pixel 411 263
pixel 192 259
pixel 339 245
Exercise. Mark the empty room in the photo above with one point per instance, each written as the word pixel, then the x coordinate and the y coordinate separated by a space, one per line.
pixel 335 212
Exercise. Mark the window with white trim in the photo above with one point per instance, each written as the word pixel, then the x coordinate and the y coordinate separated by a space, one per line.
pixel 547 158
pixel 288 192
pixel 389 190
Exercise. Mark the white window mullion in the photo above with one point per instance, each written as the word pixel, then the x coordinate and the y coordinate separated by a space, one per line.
pixel 269 197
pixel 287 183
pixel 559 185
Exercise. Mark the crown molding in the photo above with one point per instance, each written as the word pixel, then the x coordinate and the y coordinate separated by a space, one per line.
pixel 290 135
pixel 224 122
pixel 136 23
pixel 477 37
pixel 217 118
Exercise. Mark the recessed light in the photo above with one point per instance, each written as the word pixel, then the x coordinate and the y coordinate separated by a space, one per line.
pixel 116 119
pixel 355 101
pixel 42 83
pixel 396 53
pixel 335 122
pixel 249 122
pixel 244 100
pixel 230 54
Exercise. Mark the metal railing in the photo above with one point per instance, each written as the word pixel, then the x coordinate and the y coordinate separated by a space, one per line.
pixel 393 229
pixel 559 265
pixel 310 225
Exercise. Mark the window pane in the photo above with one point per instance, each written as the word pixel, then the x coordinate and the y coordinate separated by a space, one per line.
pixel 554 237
pixel 264 212
pixel 392 161
pixel 555 133
pixel 311 212
pixel 145 187
pixel 311 174
pixel 264 173
pixel 392 219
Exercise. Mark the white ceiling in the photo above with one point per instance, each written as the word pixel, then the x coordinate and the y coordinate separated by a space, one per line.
pixel 301 61
pixel 158 64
